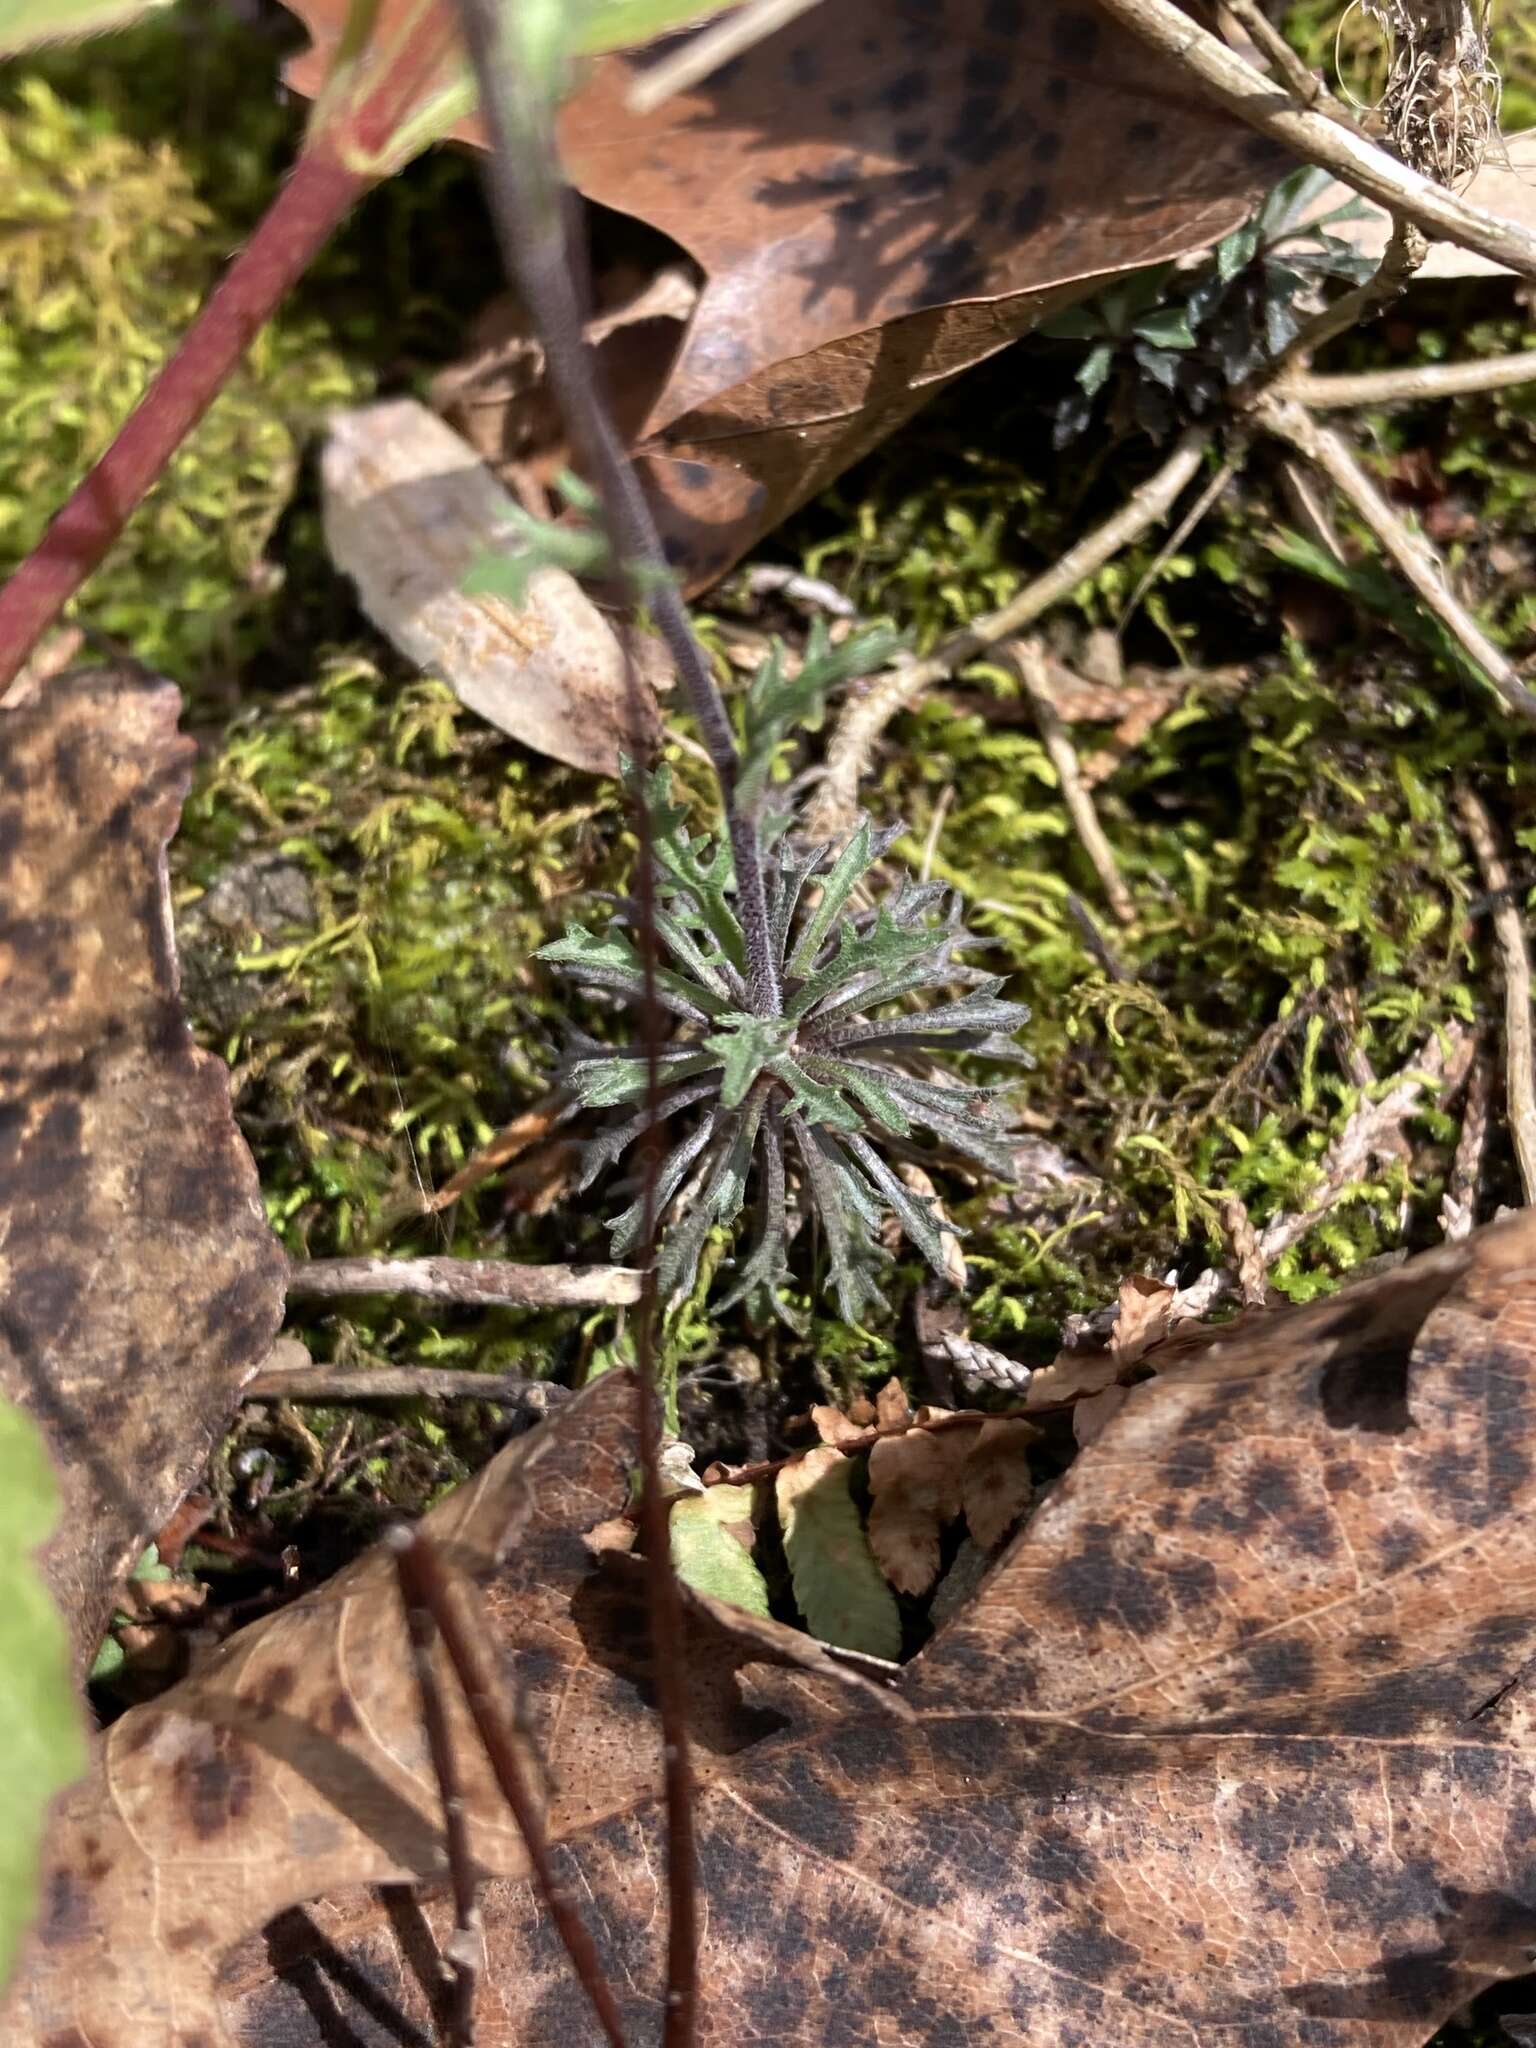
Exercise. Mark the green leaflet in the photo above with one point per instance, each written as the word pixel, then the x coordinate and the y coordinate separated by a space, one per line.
pixel 885 948
pixel 839 1588
pixel 819 1104
pixel 852 862
pixel 778 705
pixel 744 1049
pixel 707 1554
pixel 42 1742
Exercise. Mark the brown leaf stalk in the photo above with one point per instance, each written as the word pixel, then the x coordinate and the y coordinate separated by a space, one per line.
pixel 425 1587
pixel 530 207
pixel 466 1945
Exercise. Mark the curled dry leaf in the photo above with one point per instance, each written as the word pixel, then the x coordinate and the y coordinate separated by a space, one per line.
pixel 996 1484
pixel 408 509
pixel 1234 1741
pixel 915 1481
pixel 892 1410
pixel 880 195
pixel 140 1283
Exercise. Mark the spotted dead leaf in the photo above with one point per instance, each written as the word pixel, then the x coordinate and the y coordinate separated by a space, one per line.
pixel 881 195
pixel 1233 1744
pixel 139 1284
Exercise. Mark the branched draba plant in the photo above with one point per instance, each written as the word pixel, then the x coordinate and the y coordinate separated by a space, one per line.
pixel 801 1094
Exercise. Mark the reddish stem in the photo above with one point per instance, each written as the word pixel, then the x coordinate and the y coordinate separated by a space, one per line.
pixel 298 223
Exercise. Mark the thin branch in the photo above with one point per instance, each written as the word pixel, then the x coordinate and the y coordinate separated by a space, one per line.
pixel 1405 252
pixel 424 1584
pixel 465 1948
pixel 695 60
pixel 833 813
pixel 1422 380
pixel 1246 92
pixel 529 208
pixel 1458 1204
pixel 1420 565
pixel 1308 86
pixel 327 1383
pixel 1028 657
pixel 1509 930
pixel 473 1283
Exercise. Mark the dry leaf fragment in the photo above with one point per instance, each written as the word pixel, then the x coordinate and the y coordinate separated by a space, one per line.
pixel 139 1282
pixel 834 1427
pixel 891 1407
pixel 915 1482
pixel 408 509
pixel 1145 1305
pixel 996 1484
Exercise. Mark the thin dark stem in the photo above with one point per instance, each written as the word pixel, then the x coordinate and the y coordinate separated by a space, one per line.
pixel 463 1951
pixel 425 1585
pixel 529 206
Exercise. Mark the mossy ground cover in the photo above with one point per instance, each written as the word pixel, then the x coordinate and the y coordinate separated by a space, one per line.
pixel 1287 838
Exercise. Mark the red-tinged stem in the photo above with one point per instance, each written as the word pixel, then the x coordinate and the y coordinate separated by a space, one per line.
pixel 300 220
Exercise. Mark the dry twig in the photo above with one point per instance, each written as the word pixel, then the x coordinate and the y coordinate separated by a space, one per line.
pixel 1509 930
pixel 1458 1205
pixel 1312 136
pixel 473 1283
pixel 1421 380
pixel 865 716
pixel 326 1383
pixel 1416 559
pixel 1028 657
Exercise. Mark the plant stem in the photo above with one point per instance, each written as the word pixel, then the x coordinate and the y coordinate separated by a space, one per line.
pixel 530 209
pixel 1509 931
pixel 316 197
pixel 424 1584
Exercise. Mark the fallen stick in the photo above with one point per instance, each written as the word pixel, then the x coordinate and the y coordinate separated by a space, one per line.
pixel 1028 657
pixel 471 1283
pixel 325 1383
pixel 1421 567
pixel 1421 380
pixel 1246 92
pixel 1509 930
pixel 834 808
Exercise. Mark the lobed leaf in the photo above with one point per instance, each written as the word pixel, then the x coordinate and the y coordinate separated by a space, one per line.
pixel 838 1586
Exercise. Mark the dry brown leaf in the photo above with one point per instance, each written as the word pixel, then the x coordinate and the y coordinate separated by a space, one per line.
pixel 408 509
pixel 833 1426
pixel 996 1485
pixel 1235 1740
pixel 880 195
pixel 140 1284
pixel 1072 1374
pixel 892 1410
pixel 1091 1417
pixel 1145 1308
pixel 915 1481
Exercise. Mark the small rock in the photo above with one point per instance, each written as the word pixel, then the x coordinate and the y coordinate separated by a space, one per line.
pixel 268 894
